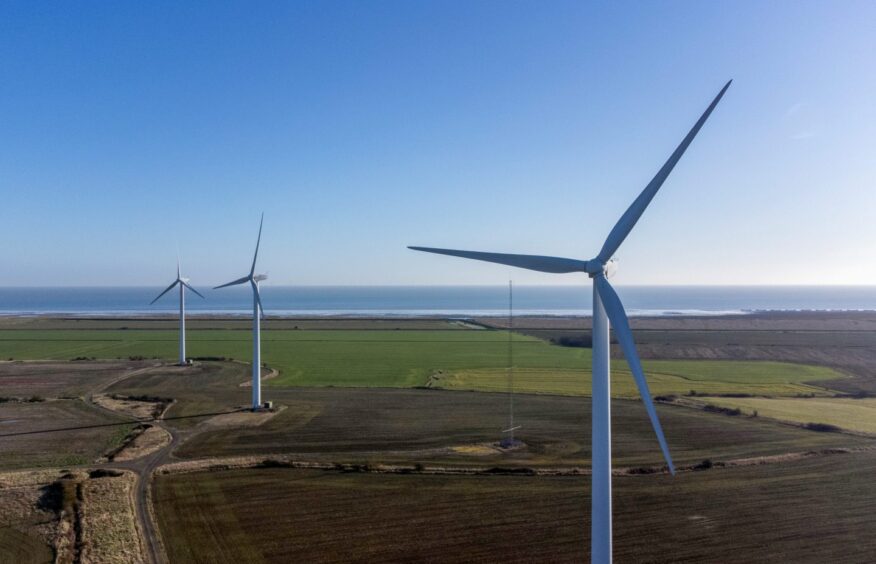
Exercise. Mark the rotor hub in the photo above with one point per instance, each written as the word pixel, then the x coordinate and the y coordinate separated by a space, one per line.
pixel 596 267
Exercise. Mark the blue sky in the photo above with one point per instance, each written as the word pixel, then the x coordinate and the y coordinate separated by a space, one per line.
pixel 359 128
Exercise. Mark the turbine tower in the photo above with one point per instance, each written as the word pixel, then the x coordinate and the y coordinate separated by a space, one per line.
pixel 183 284
pixel 257 313
pixel 607 308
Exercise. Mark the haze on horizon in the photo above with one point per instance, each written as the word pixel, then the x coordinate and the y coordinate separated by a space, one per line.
pixel 362 128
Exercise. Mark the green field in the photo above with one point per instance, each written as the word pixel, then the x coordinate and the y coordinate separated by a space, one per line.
pixel 456 359
pixel 815 510
pixel 857 415
pixel 664 377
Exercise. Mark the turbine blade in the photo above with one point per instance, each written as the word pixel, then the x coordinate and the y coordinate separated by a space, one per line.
pixel 178 275
pixel 169 288
pixel 186 284
pixel 618 318
pixel 628 220
pixel 243 280
pixel 540 263
pixel 258 242
pixel 258 297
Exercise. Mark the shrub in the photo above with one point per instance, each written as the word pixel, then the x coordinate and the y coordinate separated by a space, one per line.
pixel 643 470
pixel 822 427
pixel 272 463
pixel 731 411
pixel 704 465
pixel 104 473
pixel 36 399
pixel 579 342
pixel 501 470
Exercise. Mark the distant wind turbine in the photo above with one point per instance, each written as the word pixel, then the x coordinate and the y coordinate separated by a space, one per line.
pixel 257 313
pixel 183 284
pixel 607 308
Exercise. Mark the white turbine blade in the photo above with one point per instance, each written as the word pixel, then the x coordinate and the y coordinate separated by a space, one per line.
pixel 178 275
pixel 258 297
pixel 243 280
pixel 618 317
pixel 169 288
pixel 628 220
pixel 540 263
pixel 186 284
pixel 258 242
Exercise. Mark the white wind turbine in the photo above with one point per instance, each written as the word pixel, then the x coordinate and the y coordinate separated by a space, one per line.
pixel 183 284
pixel 257 312
pixel 607 308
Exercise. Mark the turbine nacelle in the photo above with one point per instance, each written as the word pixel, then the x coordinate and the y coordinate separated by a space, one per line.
pixel 259 277
pixel 595 267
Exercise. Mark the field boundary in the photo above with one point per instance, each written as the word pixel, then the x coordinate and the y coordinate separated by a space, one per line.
pixel 293 462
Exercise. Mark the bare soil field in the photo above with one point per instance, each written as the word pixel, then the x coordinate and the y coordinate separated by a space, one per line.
pixel 765 321
pixel 50 379
pixel 56 433
pixel 809 510
pixel 434 426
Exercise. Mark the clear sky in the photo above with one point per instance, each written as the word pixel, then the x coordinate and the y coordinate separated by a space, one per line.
pixel 127 128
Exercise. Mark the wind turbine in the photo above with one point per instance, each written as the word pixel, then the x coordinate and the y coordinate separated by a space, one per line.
pixel 607 308
pixel 183 284
pixel 257 313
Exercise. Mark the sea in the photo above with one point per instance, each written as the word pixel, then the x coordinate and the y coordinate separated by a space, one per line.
pixel 444 301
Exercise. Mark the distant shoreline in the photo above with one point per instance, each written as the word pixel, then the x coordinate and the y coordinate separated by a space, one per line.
pixel 437 315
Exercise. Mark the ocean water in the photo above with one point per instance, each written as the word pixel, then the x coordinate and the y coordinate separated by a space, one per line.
pixel 435 300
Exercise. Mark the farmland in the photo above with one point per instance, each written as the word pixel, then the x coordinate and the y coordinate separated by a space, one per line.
pixel 857 415
pixel 453 358
pixel 377 425
pixel 405 416
pixel 740 514
pixel 24 442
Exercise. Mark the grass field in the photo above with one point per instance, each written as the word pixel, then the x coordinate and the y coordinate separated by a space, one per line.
pixel 457 359
pixel 664 377
pixel 857 415
pixel 815 510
